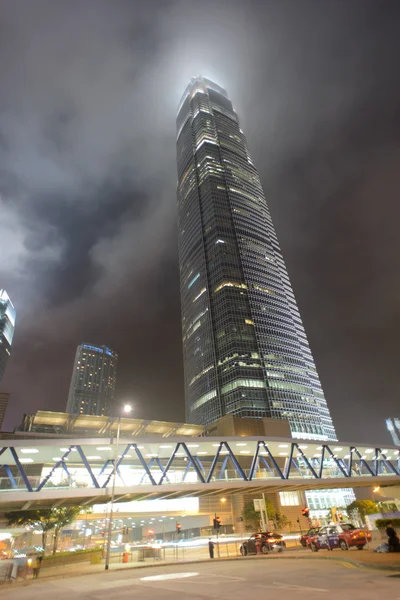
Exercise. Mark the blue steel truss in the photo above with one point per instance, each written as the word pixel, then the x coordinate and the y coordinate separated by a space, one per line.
pixel 221 464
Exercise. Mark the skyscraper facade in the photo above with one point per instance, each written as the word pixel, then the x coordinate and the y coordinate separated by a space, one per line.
pixel 93 381
pixel 4 398
pixel 244 345
pixel 7 328
pixel 393 427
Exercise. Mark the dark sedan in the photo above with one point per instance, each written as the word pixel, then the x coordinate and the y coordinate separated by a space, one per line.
pixel 268 540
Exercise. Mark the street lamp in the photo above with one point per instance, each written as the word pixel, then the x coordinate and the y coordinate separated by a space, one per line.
pixel 127 408
pixel 376 490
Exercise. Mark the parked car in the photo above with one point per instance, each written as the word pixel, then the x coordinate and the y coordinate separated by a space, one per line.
pixel 270 542
pixel 342 536
pixel 305 538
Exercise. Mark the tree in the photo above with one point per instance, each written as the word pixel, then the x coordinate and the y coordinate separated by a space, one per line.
pixel 252 517
pixel 46 519
pixel 64 516
pixel 38 518
pixel 364 507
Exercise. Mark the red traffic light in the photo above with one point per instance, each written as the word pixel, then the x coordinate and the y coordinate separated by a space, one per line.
pixel 305 512
pixel 178 527
pixel 217 523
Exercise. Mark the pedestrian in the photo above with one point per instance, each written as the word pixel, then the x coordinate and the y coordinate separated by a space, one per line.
pixel 36 564
pixel 40 559
pixel 393 540
pixel 258 545
pixel 211 548
pixel 14 570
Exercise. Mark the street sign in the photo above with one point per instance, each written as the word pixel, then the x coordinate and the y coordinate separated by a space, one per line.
pixel 259 504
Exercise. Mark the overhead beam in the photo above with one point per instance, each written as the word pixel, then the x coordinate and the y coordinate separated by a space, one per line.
pixel 90 501
pixel 58 503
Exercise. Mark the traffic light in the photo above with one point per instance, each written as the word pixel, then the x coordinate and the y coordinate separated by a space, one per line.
pixel 306 512
pixel 217 523
pixel 178 528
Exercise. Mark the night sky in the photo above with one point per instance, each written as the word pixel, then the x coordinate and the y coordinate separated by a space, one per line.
pixel 88 240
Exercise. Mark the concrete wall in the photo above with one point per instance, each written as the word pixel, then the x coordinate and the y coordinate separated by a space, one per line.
pixel 264 427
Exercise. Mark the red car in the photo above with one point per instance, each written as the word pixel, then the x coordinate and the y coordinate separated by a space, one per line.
pixel 305 538
pixel 342 536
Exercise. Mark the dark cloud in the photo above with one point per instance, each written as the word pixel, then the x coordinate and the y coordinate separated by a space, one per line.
pixel 88 98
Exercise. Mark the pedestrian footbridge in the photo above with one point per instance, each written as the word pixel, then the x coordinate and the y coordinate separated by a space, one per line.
pixel 37 473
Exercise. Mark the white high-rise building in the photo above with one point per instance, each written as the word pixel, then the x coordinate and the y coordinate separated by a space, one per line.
pixel 7 328
pixel 93 380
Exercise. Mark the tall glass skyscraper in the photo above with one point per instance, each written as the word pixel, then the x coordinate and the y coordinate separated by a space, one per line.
pixel 7 328
pixel 393 427
pixel 93 381
pixel 244 345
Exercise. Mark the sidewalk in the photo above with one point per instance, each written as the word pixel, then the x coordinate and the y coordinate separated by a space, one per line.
pixel 363 560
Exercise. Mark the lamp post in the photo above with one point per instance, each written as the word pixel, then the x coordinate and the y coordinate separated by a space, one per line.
pixel 126 410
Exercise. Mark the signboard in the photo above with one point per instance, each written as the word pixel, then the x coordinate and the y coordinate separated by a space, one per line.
pixel 259 504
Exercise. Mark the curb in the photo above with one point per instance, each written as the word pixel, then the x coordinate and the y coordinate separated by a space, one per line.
pixel 345 561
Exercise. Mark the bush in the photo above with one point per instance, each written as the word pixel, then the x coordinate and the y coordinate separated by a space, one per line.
pixel 69 553
pixel 383 523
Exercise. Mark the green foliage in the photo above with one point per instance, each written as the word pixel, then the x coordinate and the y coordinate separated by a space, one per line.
pixel 282 520
pixel 364 507
pixel 252 517
pixel 52 557
pixel 29 517
pixel 46 519
pixel 383 523
pixel 63 516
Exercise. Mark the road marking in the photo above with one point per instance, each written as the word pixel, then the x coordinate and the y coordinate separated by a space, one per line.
pixel 298 587
pixel 234 578
pixel 348 565
pixel 217 578
pixel 168 576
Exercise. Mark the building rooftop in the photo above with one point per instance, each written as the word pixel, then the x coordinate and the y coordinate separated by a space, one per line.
pixel 62 424
pixel 200 82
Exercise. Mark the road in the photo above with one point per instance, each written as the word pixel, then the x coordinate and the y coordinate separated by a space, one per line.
pixel 228 580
